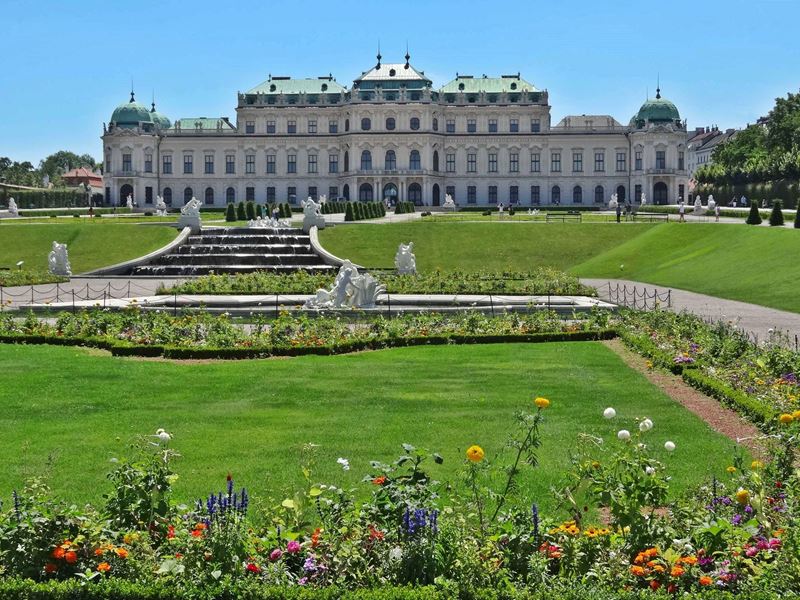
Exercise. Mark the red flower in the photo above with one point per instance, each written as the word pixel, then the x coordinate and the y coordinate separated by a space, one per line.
pixel 197 533
pixel 178 555
pixel 253 568
pixel 315 537
pixel 375 534
pixel 71 557
pixel 380 480
pixel 50 568
pixel 170 532
pixel 59 553
pixel 654 585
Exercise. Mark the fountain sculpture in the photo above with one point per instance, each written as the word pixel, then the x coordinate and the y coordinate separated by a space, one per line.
pixel 12 207
pixel 312 217
pixel 404 261
pixel 58 260
pixel 351 289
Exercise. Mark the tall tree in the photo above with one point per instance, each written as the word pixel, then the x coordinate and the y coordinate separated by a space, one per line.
pixel 783 128
pixel 62 161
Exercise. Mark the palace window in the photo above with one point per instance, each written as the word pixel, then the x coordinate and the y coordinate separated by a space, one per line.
pixel 366 124
pixel 492 125
pixel 472 126
pixel 312 126
pixel 577 194
pixel 188 165
pixel 167 193
pixel 271 164
pixel 472 162
pixel 188 194
pixel 492 162
pixel 472 194
pixel 637 194
pixel 291 163
pixel 148 163
pixel 450 163
pixel 148 195
pixel 291 193
pixel 414 162
pixel 250 194
pixel 230 164
pixel 435 124
pixel 127 163
pixel 291 126
pixel 450 126
pixel 414 123
pixel 599 195
pixel 230 195
pixel 513 162
pixel 536 164
pixel 390 124
pixel 270 194
pixel 333 126
pixel 535 194
pixel 390 164
pixel 250 127
pixel 208 168
pixel 209 195
pixel 250 164
pixel 108 164
pixel 271 127
pixel 577 162
pixel 513 194
pixel 312 163
pixel 333 163
pixel 492 194
pixel 638 160
pixel 555 195
pixel 513 126
pixel 555 162
pixel 333 192
pixel 312 192
pixel 599 162
pixel 366 160
pixel 166 164
pixel 622 162
pixel 661 159
pixel 680 161
pixel 536 126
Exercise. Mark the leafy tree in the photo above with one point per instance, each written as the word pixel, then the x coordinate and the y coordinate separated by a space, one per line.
pixel 55 165
pixel 19 173
pixel 754 218
pixel 784 124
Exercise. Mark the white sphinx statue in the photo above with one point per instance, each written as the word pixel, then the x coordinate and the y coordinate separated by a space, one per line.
pixel 312 216
pixel 161 207
pixel 404 261
pixel 712 204
pixel 698 205
pixel 323 199
pixel 613 203
pixel 190 215
pixel 448 202
pixel 12 207
pixel 58 260
pixel 643 199
pixel 351 289
pixel 129 202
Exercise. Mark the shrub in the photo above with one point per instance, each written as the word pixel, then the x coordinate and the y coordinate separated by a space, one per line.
pixel 230 212
pixel 776 216
pixel 349 215
pixel 250 210
pixel 797 217
pixel 754 218
pixel 241 214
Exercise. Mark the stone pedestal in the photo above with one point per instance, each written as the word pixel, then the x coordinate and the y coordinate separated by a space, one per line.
pixel 192 221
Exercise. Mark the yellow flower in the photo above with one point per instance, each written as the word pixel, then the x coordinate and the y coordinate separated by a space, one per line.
pixel 756 465
pixel 475 454
pixel 541 402
pixel 786 418
pixel 743 496
pixel 731 469
pixel 796 415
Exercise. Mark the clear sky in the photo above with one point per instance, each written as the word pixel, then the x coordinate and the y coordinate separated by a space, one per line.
pixel 65 65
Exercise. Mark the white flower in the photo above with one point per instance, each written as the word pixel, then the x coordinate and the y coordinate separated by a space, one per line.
pixel 609 413
pixel 645 425
pixel 344 462
pixel 163 436
pixel 669 446
pixel 396 553
pixel 624 434
pixel 650 471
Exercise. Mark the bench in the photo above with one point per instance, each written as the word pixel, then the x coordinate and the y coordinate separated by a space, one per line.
pixel 650 217
pixel 564 217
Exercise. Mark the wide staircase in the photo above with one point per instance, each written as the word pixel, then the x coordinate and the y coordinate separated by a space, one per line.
pixel 237 250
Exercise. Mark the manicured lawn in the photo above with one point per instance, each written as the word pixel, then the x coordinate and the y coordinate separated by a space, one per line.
pixel 65 412
pixel 479 246
pixel 90 244
pixel 752 264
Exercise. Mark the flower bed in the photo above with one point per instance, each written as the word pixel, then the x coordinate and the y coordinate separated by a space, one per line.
pixel 541 281
pixel 478 536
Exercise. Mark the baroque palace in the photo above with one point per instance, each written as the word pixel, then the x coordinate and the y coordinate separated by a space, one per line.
pixel 393 136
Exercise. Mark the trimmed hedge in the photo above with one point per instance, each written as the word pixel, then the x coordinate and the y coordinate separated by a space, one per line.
pixel 756 411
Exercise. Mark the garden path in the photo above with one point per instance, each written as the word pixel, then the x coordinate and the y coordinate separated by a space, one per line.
pixel 755 319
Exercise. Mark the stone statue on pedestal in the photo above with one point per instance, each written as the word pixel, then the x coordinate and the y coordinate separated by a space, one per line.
pixel 404 261
pixel 351 289
pixel 312 216
pixel 12 207
pixel 58 260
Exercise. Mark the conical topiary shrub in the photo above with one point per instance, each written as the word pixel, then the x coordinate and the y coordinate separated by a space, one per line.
pixel 776 216
pixel 250 210
pixel 241 215
pixel 797 217
pixel 348 212
pixel 230 212
pixel 754 218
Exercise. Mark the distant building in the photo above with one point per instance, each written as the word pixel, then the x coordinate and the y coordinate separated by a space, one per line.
pixel 393 136
pixel 701 145
pixel 84 176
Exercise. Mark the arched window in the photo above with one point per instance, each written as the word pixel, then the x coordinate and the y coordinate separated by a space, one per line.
pixel 391 161
pixel 366 161
pixel 347 124
pixel 577 194
pixel 436 160
pixel 414 162
pixel 415 193
pixel 365 192
pixel 346 192
pixel 346 161
pixel 435 124
pixel 599 195
pixel 621 193
pixel 414 123
pixel 167 194
pixel 555 195
pixel 187 195
pixel 230 195
pixel 660 193
pixel 390 124
pixel 209 195
pixel 366 124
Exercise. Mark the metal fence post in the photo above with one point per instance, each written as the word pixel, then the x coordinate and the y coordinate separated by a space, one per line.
pixel 31 294
pixel 73 302
pixel 276 306
pixel 175 305
pixel 491 303
pixel 389 303
pixel 104 298
pixel 2 301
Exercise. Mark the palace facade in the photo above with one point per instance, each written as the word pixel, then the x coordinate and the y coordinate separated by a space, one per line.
pixel 392 135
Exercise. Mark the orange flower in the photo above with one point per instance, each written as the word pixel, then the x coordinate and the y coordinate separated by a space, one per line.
pixel 689 560
pixel 59 553
pixel 99 551
pixel 315 537
pixel 651 552
pixel 380 480
pixel 121 552
pixel 677 571
pixel 50 568
pixel 638 571
pixel 104 567
pixel 658 569
pixel 197 533
pixel 706 580
pixel 71 557
pixel 200 526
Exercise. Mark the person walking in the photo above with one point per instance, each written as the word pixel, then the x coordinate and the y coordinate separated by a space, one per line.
pixel 681 211
pixel 619 212
pixel 716 213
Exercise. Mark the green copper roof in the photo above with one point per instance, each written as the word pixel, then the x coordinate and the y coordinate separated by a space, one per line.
pixel 287 85
pixel 130 114
pixel 492 85
pixel 657 110
pixel 202 123
pixel 161 121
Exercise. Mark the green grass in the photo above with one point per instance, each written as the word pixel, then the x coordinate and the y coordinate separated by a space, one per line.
pixel 751 264
pixel 67 411
pixel 90 244
pixel 478 246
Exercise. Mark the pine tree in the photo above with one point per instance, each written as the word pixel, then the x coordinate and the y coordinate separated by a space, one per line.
pixel 230 212
pixel 797 217
pixel 348 212
pixel 754 218
pixel 776 217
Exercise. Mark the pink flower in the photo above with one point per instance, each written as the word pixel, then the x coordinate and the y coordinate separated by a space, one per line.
pixel 293 547
pixel 275 554
pixel 751 551
pixel 774 544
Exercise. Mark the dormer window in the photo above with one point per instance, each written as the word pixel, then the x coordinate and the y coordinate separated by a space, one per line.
pixel 513 86
pixel 392 72
pixel 324 87
pixel 272 87
pixel 461 87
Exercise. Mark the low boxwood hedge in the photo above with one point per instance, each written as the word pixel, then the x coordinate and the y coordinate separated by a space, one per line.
pixel 757 411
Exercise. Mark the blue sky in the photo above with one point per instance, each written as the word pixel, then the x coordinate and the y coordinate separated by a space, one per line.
pixel 66 65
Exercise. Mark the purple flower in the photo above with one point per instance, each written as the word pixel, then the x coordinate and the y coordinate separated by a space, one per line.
pixel 302 581
pixel 737 519
pixel 310 565
pixel 275 554
pixel 293 547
